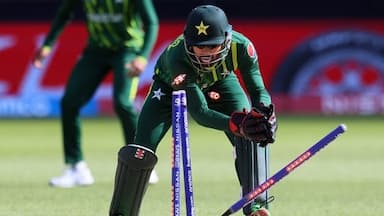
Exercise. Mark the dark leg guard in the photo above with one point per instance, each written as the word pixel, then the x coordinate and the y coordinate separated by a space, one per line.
pixel 252 164
pixel 134 167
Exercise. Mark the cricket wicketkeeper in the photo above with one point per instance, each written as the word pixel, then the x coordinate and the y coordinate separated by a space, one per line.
pixel 202 61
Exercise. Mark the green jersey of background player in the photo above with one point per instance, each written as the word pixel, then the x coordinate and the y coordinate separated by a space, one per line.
pixel 121 36
pixel 202 62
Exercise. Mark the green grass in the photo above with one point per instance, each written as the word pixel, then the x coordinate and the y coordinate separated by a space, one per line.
pixel 346 178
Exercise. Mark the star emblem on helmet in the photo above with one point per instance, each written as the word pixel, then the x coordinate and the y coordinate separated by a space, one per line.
pixel 202 29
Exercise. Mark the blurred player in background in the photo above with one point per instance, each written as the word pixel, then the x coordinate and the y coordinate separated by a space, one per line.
pixel 202 61
pixel 122 34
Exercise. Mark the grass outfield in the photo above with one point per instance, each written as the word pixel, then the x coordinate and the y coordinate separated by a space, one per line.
pixel 346 178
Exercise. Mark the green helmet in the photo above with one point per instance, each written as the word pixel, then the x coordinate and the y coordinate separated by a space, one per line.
pixel 207 25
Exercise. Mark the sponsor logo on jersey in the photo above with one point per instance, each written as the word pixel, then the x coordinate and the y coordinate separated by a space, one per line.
pixel 105 18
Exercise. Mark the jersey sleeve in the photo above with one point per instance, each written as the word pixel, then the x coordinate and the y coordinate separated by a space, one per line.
pixel 63 16
pixel 198 109
pixel 251 75
pixel 151 25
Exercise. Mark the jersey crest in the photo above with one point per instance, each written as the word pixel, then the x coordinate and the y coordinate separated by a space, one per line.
pixel 214 95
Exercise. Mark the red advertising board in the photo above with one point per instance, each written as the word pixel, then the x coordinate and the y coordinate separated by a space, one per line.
pixel 322 66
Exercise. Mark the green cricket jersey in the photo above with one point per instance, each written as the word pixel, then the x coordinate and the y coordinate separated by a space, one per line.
pixel 173 66
pixel 112 24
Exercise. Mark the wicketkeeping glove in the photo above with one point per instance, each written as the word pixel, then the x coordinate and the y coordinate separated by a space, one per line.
pixel 260 124
pixel 235 122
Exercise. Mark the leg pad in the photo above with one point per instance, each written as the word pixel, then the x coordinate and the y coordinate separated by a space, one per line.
pixel 134 167
pixel 252 169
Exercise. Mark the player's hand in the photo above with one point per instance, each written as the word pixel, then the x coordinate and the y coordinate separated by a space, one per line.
pixel 235 122
pixel 260 124
pixel 39 57
pixel 136 66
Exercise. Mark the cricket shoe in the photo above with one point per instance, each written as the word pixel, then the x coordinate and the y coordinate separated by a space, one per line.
pixel 74 175
pixel 154 178
pixel 259 211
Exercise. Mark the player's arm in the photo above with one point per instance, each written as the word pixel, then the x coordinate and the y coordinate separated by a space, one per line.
pixel 262 116
pixel 64 15
pixel 239 123
pixel 251 75
pixel 151 25
pixel 151 28
pixel 200 112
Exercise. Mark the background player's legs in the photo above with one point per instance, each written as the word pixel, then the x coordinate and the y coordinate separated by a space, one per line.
pixel 124 93
pixel 87 74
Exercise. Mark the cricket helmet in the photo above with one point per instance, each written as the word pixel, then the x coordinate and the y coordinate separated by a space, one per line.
pixel 207 25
